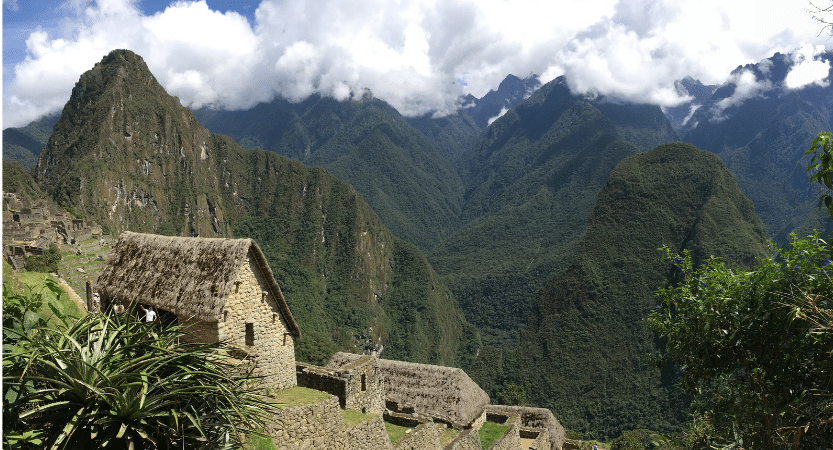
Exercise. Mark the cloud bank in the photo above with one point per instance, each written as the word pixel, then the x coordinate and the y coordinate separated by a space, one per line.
pixel 420 56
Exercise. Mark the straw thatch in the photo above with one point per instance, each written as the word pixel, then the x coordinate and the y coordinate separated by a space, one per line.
pixel 190 277
pixel 441 392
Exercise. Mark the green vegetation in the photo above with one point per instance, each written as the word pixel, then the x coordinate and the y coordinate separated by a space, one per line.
pixel 364 142
pixel 754 347
pixel 396 432
pixel 46 286
pixel 297 396
pixel 101 381
pixel 639 440
pixel 259 442
pixel 822 150
pixel 353 418
pixel 490 432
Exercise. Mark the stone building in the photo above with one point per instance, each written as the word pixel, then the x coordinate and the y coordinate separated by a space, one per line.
pixel 445 394
pixel 222 288
pixel 358 385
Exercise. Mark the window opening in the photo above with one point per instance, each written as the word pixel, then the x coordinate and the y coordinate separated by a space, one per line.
pixel 364 382
pixel 250 334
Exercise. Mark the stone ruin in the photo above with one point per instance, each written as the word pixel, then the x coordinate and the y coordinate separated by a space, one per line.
pixel 30 226
pixel 425 398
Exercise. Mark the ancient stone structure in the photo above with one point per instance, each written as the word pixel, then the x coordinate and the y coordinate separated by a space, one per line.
pixel 222 288
pixel 358 385
pixel 321 425
pixel 446 394
pixel 29 228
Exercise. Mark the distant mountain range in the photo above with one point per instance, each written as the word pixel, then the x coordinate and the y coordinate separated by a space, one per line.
pixel 540 210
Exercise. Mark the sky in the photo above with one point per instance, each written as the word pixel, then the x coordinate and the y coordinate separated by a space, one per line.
pixel 421 56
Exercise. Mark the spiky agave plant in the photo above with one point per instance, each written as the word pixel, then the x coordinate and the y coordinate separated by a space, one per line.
pixel 114 382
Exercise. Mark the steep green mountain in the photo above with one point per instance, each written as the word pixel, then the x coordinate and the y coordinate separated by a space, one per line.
pixel 367 143
pixel 582 354
pixel 23 145
pixel 129 156
pixel 762 138
pixel 531 182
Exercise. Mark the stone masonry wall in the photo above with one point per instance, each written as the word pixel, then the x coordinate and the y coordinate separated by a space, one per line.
pixel 321 379
pixel 207 332
pixel 320 425
pixel 254 322
pixel 370 435
pixel 466 440
pixel 424 437
pixel 542 438
pixel 364 386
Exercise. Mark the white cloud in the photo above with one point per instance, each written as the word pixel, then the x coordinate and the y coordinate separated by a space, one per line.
pixel 808 69
pixel 746 85
pixel 503 111
pixel 419 55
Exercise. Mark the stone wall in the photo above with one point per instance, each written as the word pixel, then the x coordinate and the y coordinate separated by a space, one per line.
pixel 423 437
pixel 542 438
pixel 537 418
pixel 364 385
pixel 253 322
pixel 321 379
pixel 370 435
pixel 320 425
pixel 358 385
pixel 207 332
pixel 466 440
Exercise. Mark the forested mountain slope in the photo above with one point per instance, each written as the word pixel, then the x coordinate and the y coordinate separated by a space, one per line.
pixel 582 354
pixel 367 143
pixel 128 156
pixel 531 182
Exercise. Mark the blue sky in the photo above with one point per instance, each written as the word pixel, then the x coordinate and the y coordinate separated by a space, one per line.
pixel 419 55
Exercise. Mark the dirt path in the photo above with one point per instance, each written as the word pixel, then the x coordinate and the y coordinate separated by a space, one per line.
pixel 82 306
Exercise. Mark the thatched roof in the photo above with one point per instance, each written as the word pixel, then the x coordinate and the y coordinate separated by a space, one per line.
pixel 441 392
pixel 190 277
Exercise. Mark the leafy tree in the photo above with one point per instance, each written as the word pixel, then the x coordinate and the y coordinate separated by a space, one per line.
pixel 755 347
pixel 639 440
pixel 513 395
pixel 115 382
pixel 822 151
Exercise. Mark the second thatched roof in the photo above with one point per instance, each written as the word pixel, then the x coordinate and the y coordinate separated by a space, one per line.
pixel 191 277
pixel 441 392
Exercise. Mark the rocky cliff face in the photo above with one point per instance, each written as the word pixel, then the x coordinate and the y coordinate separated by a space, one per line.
pixel 127 154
